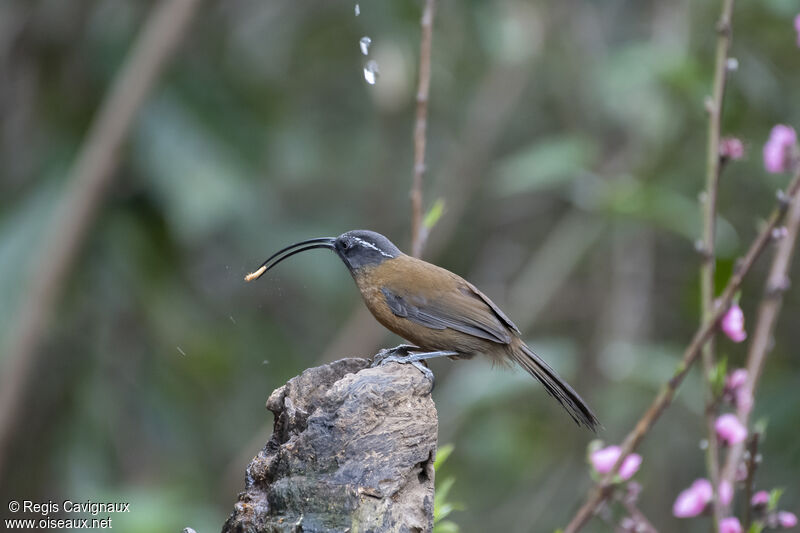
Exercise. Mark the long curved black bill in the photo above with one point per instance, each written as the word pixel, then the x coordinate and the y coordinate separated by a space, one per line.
pixel 289 251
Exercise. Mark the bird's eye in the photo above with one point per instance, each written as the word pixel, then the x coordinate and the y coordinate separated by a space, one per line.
pixel 345 245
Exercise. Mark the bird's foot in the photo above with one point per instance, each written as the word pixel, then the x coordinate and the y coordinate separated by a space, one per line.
pixel 419 365
pixel 415 359
pixel 402 350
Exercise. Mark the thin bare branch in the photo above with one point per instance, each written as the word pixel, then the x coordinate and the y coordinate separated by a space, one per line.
pixel 713 168
pixel 90 177
pixel 601 491
pixel 749 483
pixel 768 311
pixel 418 231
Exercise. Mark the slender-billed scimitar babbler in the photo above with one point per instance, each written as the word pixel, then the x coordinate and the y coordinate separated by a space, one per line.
pixel 439 312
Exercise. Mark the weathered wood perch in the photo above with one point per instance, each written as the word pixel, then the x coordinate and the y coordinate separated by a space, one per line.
pixel 352 450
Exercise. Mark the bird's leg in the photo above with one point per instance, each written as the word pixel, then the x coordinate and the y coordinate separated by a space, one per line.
pixel 401 350
pixel 419 356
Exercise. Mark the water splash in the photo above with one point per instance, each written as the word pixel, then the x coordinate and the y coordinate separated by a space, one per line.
pixel 364 44
pixel 371 71
pixel 357 10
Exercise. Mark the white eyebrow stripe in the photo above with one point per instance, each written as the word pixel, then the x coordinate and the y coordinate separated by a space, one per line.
pixel 372 246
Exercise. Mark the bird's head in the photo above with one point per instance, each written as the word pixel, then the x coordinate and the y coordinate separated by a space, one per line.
pixel 360 248
pixel 357 249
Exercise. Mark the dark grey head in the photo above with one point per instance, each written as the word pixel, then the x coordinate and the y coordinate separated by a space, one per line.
pixel 357 248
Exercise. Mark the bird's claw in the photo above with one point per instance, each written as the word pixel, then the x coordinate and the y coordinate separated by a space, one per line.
pixel 419 365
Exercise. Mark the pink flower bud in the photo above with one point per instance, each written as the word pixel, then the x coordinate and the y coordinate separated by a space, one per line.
pixel 731 148
pixel 778 148
pixel 730 525
pixel 736 379
pixel 604 460
pixel 733 324
pixel 725 492
pixel 741 472
pixel 760 498
pixel 729 429
pixel 779 233
pixel 787 519
pixel 692 501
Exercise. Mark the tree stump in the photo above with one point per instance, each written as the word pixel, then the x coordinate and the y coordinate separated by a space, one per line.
pixel 352 450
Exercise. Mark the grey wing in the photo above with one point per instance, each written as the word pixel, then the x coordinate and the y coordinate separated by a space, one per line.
pixel 455 311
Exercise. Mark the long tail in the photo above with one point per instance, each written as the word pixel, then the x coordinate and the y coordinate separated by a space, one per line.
pixel 555 386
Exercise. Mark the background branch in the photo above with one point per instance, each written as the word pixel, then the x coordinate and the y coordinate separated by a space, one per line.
pixel 90 177
pixel 420 128
pixel 713 168
pixel 768 311
pixel 602 490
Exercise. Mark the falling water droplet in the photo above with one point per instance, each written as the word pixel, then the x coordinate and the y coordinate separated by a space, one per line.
pixel 364 44
pixel 371 72
pixel 181 351
pixel 732 64
pixel 358 10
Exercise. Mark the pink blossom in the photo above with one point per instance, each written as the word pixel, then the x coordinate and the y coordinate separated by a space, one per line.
pixel 731 148
pixel 735 391
pixel 692 501
pixel 778 148
pixel 760 498
pixel 703 488
pixel 787 519
pixel 730 525
pixel 604 460
pixel 736 379
pixel 630 465
pixel 729 429
pixel 725 492
pixel 797 28
pixel 733 324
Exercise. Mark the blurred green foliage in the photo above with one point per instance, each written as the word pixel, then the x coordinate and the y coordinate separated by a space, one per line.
pixel 154 374
pixel 442 506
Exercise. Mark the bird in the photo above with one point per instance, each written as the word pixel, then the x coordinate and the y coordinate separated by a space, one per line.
pixel 439 312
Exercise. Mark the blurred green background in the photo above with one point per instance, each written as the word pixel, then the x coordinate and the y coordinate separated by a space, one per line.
pixel 567 141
